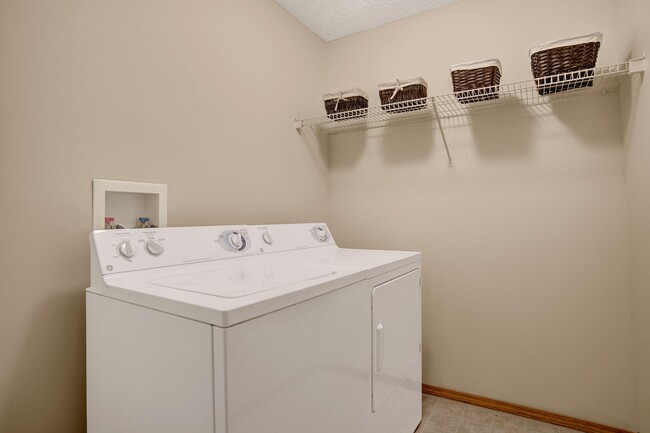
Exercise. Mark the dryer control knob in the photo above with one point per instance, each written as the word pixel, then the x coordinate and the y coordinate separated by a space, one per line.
pixel 266 237
pixel 322 234
pixel 126 250
pixel 236 240
pixel 155 248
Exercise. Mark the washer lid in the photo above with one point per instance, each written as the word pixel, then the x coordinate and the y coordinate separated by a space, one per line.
pixel 244 279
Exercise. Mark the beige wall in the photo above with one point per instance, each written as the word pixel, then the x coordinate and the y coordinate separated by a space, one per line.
pixel 637 152
pixel 154 91
pixel 526 246
pixel 526 240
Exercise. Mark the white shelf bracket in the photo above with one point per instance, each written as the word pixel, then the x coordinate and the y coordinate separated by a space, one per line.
pixel 636 66
pixel 442 131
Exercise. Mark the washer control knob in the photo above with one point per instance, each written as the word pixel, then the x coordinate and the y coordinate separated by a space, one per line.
pixel 154 248
pixel 266 237
pixel 236 240
pixel 126 250
pixel 321 234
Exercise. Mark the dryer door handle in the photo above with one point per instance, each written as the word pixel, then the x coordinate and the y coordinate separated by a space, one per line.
pixel 380 347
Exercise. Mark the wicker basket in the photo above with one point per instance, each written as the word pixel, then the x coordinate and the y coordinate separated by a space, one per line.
pixel 476 81
pixel 565 64
pixel 403 95
pixel 350 104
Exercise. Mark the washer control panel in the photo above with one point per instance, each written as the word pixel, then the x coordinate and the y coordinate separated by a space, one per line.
pixel 137 249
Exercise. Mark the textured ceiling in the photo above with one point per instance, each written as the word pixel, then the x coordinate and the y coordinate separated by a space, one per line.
pixel 333 19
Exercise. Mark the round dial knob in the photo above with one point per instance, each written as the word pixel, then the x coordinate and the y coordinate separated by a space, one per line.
pixel 154 247
pixel 321 234
pixel 236 240
pixel 266 237
pixel 125 248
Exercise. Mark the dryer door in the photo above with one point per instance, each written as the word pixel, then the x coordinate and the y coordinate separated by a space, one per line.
pixel 396 334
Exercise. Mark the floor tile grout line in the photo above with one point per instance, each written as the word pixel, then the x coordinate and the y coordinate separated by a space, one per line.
pixel 460 421
pixel 426 422
pixel 432 411
pixel 492 421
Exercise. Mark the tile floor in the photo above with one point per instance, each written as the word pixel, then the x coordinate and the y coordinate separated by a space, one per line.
pixel 440 415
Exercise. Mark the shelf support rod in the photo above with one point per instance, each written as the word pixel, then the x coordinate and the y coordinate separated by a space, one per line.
pixel 636 65
pixel 442 132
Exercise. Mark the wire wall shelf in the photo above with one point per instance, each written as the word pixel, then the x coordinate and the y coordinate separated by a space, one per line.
pixel 531 93
pixel 414 110
pixel 523 94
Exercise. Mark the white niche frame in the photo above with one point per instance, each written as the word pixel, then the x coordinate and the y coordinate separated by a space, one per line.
pixel 128 201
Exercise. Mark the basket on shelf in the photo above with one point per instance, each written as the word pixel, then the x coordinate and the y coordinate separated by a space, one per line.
pixel 403 95
pixel 476 81
pixel 565 64
pixel 349 104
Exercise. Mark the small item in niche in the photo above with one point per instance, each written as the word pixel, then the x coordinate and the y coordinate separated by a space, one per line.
pixel 110 224
pixel 476 81
pixel 349 104
pixel 144 223
pixel 565 64
pixel 403 95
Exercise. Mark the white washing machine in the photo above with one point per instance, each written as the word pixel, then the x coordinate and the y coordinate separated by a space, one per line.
pixel 250 329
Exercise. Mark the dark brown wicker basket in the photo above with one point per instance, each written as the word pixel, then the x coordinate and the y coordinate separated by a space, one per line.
pixel 409 98
pixel 564 68
pixel 475 85
pixel 345 107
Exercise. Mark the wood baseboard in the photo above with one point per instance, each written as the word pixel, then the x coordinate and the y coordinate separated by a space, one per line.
pixel 517 409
